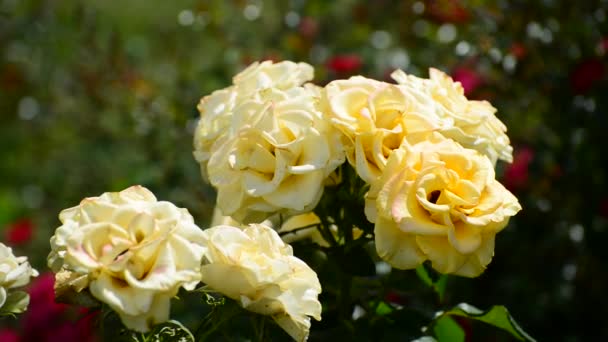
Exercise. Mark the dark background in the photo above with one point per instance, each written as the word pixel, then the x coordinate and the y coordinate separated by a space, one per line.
pixel 99 95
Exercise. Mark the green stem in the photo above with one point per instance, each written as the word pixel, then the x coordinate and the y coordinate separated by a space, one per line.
pixel 294 231
pixel 259 327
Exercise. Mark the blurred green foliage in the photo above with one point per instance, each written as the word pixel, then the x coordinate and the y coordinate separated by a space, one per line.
pixel 98 95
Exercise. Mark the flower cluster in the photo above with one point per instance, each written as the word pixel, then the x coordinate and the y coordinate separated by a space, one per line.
pixel 134 253
pixel 270 144
pixel 425 150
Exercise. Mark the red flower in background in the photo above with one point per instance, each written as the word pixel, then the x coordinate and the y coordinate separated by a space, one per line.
pixel 8 335
pixel 309 27
pixel 518 50
pixel 345 64
pixel 469 79
pixel 48 321
pixel 447 11
pixel 603 46
pixel 586 74
pixel 19 232
pixel 604 208
pixel 516 174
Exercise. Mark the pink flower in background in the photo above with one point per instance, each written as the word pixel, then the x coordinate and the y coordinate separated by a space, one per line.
pixel 309 27
pixel 469 79
pixel 586 74
pixel 48 321
pixel 345 64
pixel 8 335
pixel 516 174
pixel 604 208
pixel 19 232
pixel 603 46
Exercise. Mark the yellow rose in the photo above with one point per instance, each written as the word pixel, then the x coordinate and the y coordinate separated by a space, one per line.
pixel 136 252
pixel 473 124
pixel 14 272
pixel 215 121
pixel 256 268
pixel 375 117
pixel 438 201
pixel 217 109
pixel 279 159
pixel 283 75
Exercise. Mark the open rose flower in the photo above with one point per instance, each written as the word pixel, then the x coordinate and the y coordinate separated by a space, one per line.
pixel 217 109
pixel 134 251
pixel 256 268
pixel 473 124
pixel 14 272
pixel 278 160
pixel 441 202
pixel 374 118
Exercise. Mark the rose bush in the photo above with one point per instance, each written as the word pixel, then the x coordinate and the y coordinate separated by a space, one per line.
pixel 257 269
pixel 419 182
pixel 441 202
pixel 131 251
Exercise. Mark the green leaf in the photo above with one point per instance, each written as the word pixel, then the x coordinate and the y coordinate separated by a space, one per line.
pixel 383 309
pixel 16 302
pixel 438 286
pixel 424 275
pixel 447 330
pixel 497 316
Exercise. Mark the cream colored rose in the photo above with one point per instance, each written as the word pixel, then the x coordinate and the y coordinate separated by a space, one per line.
pixel 473 124
pixel 135 251
pixel 257 269
pixel 215 121
pixel 216 110
pixel 280 158
pixel 438 201
pixel 14 272
pixel 375 117
pixel 283 75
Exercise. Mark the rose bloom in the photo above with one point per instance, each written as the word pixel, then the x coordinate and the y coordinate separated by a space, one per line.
pixel 278 160
pixel 217 109
pixel 374 118
pixel 14 272
pixel 441 202
pixel 135 252
pixel 257 269
pixel 473 124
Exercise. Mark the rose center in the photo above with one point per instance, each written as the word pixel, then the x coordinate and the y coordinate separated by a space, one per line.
pixel 434 196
